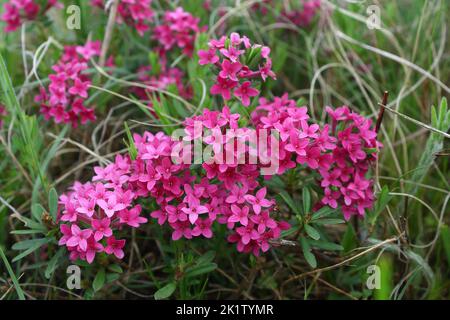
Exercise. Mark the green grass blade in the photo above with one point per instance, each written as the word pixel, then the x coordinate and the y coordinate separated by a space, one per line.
pixel 12 275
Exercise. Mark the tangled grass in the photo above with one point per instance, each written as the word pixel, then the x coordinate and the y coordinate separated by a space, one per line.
pixel 335 60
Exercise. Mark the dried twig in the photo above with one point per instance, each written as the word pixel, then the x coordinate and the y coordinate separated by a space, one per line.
pixel 108 32
pixel 381 113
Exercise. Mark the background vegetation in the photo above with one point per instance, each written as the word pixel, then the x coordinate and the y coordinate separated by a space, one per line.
pixel 334 61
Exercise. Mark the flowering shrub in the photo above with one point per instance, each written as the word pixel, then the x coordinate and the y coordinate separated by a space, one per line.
pixel 135 13
pixel 167 150
pixel 69 86
pixel 226 189
pixel 16 12
pixel 228 192
pixel 178 29
pixel 189 208
pixel 239 62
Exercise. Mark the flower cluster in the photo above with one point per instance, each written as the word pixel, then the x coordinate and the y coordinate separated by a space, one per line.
pixel 300 142
pixel 68 89
pixel 304 16
pixel 3 113
pixel 92 211
pixel 178 29
pixel 341 157
pixel 16 12
pixel 135 13
pixel 228 194
pixel 344 181
pixel 162 80
pixel 239 62
pixel 231 189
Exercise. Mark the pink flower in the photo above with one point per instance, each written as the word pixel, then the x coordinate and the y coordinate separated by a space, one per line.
pixel 296 144
pixel 161 215
pixel 89 50
pixel 239 214
pixel 263 221
pixel 181 229
pixel 258 201
pixel 247 233
pixel 79 237
pixel 87 206
pixel 92 248
pixel 194 210
pixel 223 87
pixel 309 131
pixel 229 70
pixel 330 198
pixel 203 227
pixel 115 246
pixel 166 168
pixel 67 234
pixel 237 194
pixel 16 12
pixel 311 157
pixel 178 29
pixel 111 205
pixel 231 53
pixel 132 217
pixel 80 88
pixel 244 92
pixel 136 13
pixel 207 57
pixel 101 228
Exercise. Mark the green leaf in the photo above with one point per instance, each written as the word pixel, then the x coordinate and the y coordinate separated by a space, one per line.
pixel 349 240
pixel 115 268
pixel 111 277
pixel 200 269
pixel 131 146
pixel 166 291
pixel 30 250
pixel 53 263
pixel 37 210
pixel 22 245
pixel 325 245
pixel 53 203
pixel 290 231
pixel 329 221
pixel 33 224
pixel 154 62
pixel 12 275
pixel 306 200
pixel 287 198
pixel 322 212
pixel 99 280
pixel 29 231
pixel 309 256
pixel 313 233
pixel 208 257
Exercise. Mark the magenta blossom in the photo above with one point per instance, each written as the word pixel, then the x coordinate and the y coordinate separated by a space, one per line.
pixel 115 246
